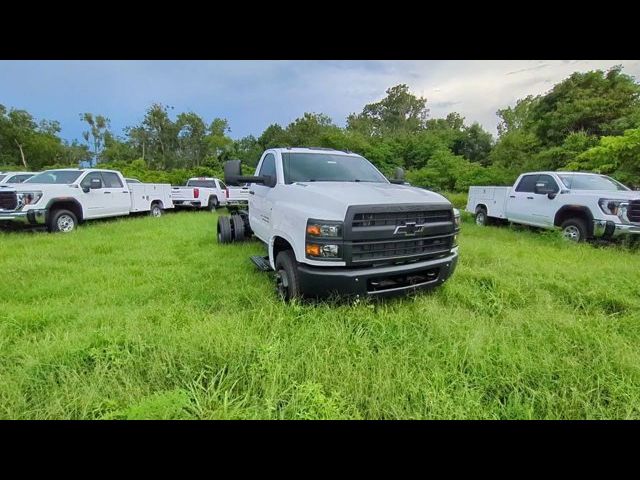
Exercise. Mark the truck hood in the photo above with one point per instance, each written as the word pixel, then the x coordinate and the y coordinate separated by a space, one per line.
pixel 617 195
pixel 368 193
pixel 47 188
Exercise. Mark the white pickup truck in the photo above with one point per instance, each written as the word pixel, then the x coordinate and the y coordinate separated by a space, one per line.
pixel 60 199
pixel 200 192
pixel 332 223
pixel 583 205
pixel 14 177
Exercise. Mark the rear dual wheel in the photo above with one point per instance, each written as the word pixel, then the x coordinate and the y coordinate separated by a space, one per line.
pixel 231 229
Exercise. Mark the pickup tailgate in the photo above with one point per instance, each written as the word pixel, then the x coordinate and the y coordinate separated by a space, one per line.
pixel 183 193
pixel 238 195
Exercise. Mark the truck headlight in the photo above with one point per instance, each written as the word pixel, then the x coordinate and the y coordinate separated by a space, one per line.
pixel 456 217
pixel 319 228
pixel 322 251
pixel 612 206
pixel 28 198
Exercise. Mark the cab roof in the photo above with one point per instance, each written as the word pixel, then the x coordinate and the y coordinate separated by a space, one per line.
pixel 312 150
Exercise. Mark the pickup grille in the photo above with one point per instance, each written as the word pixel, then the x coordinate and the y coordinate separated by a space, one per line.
pixel 378 235
pixel 633 212
pixel 8 201
pixel 400 218
pixel 399 249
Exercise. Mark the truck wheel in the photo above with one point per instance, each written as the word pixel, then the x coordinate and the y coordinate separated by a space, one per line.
pixel 574 229
pixel 482 218
pixel 63 221
pixel 213 203
pixel 156 210
pixel 238 228
pixel 225 235
pixel 287 280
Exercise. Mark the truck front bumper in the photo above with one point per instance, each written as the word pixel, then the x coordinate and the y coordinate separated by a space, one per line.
pixel 28 217
pixel 608 229
pixel 376 281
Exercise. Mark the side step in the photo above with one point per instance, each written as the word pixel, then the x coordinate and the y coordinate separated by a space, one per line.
pixel 261 262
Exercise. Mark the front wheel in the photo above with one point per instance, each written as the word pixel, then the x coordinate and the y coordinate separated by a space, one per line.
pixel 287 280
pixel 63 221
pixel 574 229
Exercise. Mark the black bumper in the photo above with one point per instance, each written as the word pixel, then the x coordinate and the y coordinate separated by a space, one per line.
pixel 376 281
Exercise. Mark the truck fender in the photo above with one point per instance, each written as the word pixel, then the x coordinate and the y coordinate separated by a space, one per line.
pixel 272 241
pixel 568 211
pixel 69 203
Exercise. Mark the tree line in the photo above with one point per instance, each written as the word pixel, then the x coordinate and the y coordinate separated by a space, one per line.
pixel 589 122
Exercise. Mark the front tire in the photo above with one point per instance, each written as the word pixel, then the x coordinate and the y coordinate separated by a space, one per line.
pixel 63 221
pixel 287 279
pixel 574 229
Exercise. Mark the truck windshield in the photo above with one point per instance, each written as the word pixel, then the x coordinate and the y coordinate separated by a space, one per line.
pixel 591 182
pixel 327 167
pixel 201 183
pixel 60 177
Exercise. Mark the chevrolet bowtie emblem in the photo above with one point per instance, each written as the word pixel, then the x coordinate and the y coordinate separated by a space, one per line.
pixel 409 229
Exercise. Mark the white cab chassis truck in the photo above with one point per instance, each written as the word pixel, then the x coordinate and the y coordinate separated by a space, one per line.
pixel 200 192
pixel 332 223
pixel 582 205
pixel 61 199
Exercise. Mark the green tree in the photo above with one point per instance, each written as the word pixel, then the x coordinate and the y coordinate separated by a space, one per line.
pixel 95 136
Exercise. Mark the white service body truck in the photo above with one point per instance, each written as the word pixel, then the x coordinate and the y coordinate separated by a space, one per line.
pixel 582 205
pixel 200 192
pixel 14 177
pixel 60 199
pixel 332 223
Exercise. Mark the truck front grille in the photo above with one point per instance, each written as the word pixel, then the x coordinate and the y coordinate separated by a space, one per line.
pixel 385 234
pixel 380 251
pixel 8 200
pixel 633 212
pixel 400 218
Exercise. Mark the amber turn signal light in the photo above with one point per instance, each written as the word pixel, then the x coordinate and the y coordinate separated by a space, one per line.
pixel 313 250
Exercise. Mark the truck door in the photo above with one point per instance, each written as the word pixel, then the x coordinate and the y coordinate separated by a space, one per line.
pixel 520 204
pixel 260 203
pixel 543 209
pixel 117 195
pixel 93 200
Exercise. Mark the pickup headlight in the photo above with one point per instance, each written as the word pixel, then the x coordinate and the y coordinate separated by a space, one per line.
pixel 456 217
pixel 28 198
pixel 323 240
pixel 612 207
pixel 319 228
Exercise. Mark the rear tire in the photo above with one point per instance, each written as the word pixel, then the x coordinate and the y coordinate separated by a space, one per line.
pixel 287 279
pixel 63 221
pixel 225 235
pixel 574 229
pixel 156 210
pixel 238 228
pixel 213 203
pixel 482 219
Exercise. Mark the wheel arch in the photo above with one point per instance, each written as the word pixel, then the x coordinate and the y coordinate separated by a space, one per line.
pixel 70 204
pixel 574 211
pixel 279 243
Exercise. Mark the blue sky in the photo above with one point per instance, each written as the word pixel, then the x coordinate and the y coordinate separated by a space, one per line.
pixel 253 94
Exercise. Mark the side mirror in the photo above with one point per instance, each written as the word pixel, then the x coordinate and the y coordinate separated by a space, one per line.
pixel 551 196
pixel 233 175
pixel 398 176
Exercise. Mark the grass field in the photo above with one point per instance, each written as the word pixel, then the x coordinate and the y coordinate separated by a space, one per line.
pixel 150 318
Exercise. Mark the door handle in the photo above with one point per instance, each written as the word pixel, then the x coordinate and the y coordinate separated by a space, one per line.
pixel 529 198
pixel 107 193
pixel 251 192
pixel 512 196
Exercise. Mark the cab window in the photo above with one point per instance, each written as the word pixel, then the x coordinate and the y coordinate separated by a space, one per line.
pixel 547 183
pixel 527 184
pixel 86 181
pixel 111 180
pixel 268 166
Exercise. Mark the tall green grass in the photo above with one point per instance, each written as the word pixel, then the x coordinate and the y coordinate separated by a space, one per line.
pixel 151 318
